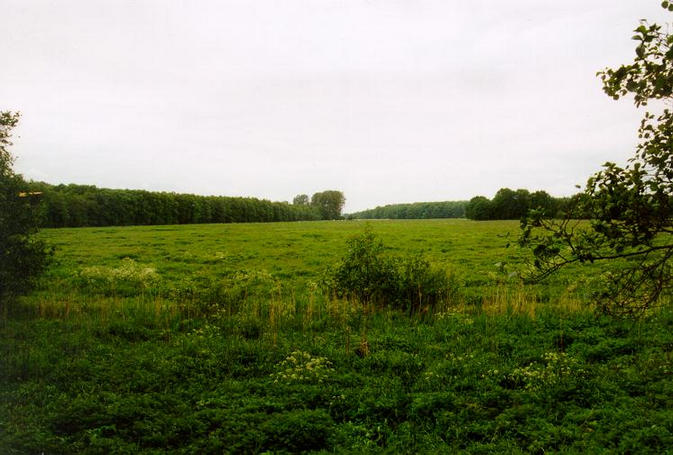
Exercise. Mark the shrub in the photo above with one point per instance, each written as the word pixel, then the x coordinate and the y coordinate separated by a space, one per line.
pixel 409 283
pixel 365 272
pixel 423 285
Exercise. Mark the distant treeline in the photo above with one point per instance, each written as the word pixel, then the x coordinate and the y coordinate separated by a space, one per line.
pixel 417 210
pixel 510 204
pixel 507 204
pixel 87 205
pixel 84 205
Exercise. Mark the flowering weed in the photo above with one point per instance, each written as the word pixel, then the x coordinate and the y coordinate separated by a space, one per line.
pixel 557 367
pixel 129 277
pixel 301 367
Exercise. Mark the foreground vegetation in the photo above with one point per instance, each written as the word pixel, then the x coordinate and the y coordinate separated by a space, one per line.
pixel 222 338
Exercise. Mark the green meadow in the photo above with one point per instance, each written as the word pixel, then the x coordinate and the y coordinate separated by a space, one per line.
pixel 223 339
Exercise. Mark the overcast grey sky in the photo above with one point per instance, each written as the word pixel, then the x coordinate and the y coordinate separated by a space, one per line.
pixel 386 100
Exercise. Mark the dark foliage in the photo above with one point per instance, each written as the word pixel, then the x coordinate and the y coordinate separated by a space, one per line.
pixel 508 204
pixel 479 208
pixel 86 205
pixel 22 258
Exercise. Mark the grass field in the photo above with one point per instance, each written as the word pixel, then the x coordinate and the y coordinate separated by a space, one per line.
pixel 219 339
pixel 294 253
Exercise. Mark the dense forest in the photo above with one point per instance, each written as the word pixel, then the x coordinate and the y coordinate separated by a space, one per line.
pixel 85 205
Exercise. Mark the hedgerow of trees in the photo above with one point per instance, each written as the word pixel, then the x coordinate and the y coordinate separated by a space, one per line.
pixel 86 205
pixel 630 207
pixel 507 204
pixel 22 257
pixel 510 204
pixel 417 210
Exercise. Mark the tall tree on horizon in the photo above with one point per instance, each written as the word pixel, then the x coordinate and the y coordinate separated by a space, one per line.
pixel 329 203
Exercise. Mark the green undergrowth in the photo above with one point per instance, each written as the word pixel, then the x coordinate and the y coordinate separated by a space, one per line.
pixel 461 381
pixel 224 339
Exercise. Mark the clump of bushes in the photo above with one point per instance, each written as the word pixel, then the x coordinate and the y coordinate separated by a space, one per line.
pixel 410 283
pixel 228 289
